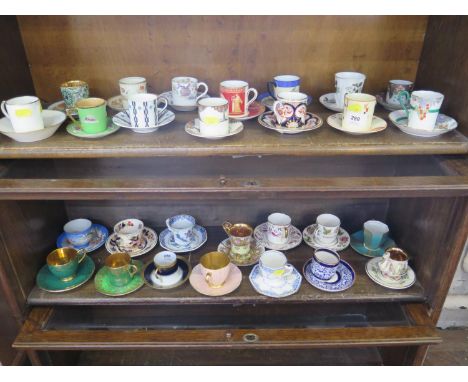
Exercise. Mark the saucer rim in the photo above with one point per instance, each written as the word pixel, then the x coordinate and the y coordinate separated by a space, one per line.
pixel 176 285
pixel 169 101
pixel 103 270
pixel 220 288
pixel 53 106
pixel 266 243
pixel 269 295
pixel 112 98
pixel 362 243
pixel 185 250
pixel 367 132
pixel 145 129
pixel 381 100
pixel 248 117
pixel 414 278
pixel 144 250
pixel 286 130
pixel 345 263
pixel 102 134
pixel 417 133
pixel 235 262
pixel 323 245
pixel 106 232
pixel 324 104
pixel 198 135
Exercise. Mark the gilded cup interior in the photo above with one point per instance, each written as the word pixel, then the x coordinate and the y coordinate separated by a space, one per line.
pixel 214 260
pixel 73 84
pixel 241 230
pixel 397 254
pixel 118 260
pixel 61 256
pixel 88 103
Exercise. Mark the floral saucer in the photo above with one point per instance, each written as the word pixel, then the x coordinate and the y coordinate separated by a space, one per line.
pixel 123 120
pixel 153 282
pixel 357 243
pixel 116 103
pixel 149 241
pixel 341 243
pixel 168 97
pixel 336 121
pixel 256 250
pixel 103 284
pixel 232 282
pixel 193 128
pixel 373 271
pixel 77 132
pixel 268 120
pixel 443 125
pixel 99 235
pixel 328 100
pixel 383 102
pixel 294 238
pixel 267 100
pixel 291 286
pixel 255 109
pixel 166 240
pixel 343 279
pixel 60 106
pixel 45 280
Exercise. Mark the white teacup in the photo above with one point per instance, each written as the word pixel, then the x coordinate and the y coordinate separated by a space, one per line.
pixel 131 85
pixel 274 267
pixel 143 110
pixel 181 227
pixel 24 113
pixel 129 233
pixel 185 91
pixel 358 111
pixel 394 263
pixel 328 226
pixel 423 109
pixel 213 117
pixel 278 228
pixel 167 272
pixel 346 83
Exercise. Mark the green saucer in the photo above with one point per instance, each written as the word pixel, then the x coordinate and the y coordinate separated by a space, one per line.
pixel 357 243
pixel 48 282
pixel 104 286
pixel 77 132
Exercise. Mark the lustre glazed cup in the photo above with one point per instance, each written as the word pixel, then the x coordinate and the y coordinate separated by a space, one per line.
pixel 63 262
pixel 328 226
pixel 120 268
pixel 129 233
pixel 73 91
pixel 394 263
pixel 375 234
pixel 240 236
pixel 278 226
pixel 181 227
pixel 325 263
pixel 215 268
pixel 78 232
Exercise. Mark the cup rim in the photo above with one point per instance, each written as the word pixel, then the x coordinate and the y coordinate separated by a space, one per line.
pixel 88 223
pixel 385 229
pixel 323 216
pixel 126 256
pixel 280 215
pixel 427 94
pixel 142 97
pixel 400 251
pixel 12 101
pixel 292 96
pixel 53 253
pixel 350 75
pixel 225 261
pixel 118 232
pixel 178 78
pixel 234 83
pixel 401 82
pixel 98 102
pixel 286 77
pixel 324 263
pixel 216 101
pixel 165 266
pixel 73 84
pixel 360 97
pixel 132 80
pixel 272 251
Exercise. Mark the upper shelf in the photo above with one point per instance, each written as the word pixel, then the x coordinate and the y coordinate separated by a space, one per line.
pixel 172 140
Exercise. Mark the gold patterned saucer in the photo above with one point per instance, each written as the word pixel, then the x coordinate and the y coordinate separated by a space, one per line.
pixel 256 250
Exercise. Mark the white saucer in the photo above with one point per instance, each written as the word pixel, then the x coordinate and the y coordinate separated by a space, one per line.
pixel 168 97
pixel 336 121
pixel 193 128
pixel 373 271
pixel 256 250
pixel 291 286
pixel 60 106
pixel 176 277
pixel 230 285
pixel 123 120
pixel 443 125
pixel 268 120
pixel 328 100
pixel 166 240
pixel 77 132
pixel 341 243
pixel 381 100
pixel 116 103
pixel 150 239
pixel 294 238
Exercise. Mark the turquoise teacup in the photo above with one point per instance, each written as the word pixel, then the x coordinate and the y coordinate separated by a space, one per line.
pixel 375 234
pixel 63 262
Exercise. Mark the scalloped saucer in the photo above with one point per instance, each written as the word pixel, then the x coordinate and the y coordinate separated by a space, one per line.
pixel 341 243
pixel 150 239
pixel 294 238
pixel 256 250
pixel 289 287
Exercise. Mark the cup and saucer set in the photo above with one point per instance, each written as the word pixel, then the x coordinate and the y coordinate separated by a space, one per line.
pixel 281 83
pixel 132 237
pixel 215 275
pixel 182 234
pixel 83 234
pixel 372 240
pixel 345 83
pixel 278 233
pixel 326 233
pixel 185 93
pixel 166 271
pixel 389 100
pixel 237 93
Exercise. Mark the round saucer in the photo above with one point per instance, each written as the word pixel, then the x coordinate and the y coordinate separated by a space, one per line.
pixel 255 109
pixel 267 100
pixel 357 243
pixel 116 103
pixel 60 106
pixel 336 121
pixel 256 250
pixel 291 286
pixel 99 235
pixel 294 238
pixel 168 96
pixel 103 284
pixel 443 125
pixel 150 239
pixel 341 243
pixel 123 120
pixel 268 120
pixel 77 132
pixel 230 285
pixel 381 100
pixel 45 280
pixel 328 100
pixel 166 240
pixel 149 279
pixel 192 127
pixel 374 273
pixel 344 278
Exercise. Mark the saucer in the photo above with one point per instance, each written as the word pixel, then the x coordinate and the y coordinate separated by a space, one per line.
pixel 116 103
pixel 60 106
pixel 77 132
pixel 294 238
pixel 193 128
pixel 255 109
pixel 230 285
pixel 151 281
pixel 381 100
pixel 52 121
pixel 168 97
pixel 99 236
pixel 256 250
pixel 443 125
pixel 336 121
pixel 292 285
pixel 309 237
pixel 343 279
pixel 267 100
pixel 373 271
pixel 357 243
pixel 268 120
pixel 48 282
pixel 103 284
pixel 166 240
pixel 123 120
pixel 150 239
pixel 328 100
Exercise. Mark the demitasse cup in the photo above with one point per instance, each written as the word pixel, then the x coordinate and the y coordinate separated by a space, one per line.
pixel 237 94
pixel 213 115
pixel 215 268
pixel 167 271
pixel 144 111
pixel 278 228
pixel 347 83
pixel 73 91
pixel 92 113
pixel 63 262
pixel 120 267
pixel 394 263
pixel 240 236
pixel 325 263
pixel 129 233
pixel 358 111
pixel 78 232
pixel 185 91
pixel 394 88
pixel 291 109
pixel 129 86
pixel 283 83
pixel 328 226
pixel 274 267
pixel 423 109
pixel 375 234
pixel 24 113
pixel 181 227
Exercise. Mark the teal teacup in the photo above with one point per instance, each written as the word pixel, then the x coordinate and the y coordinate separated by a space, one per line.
pixel 63 262
pixel 375 234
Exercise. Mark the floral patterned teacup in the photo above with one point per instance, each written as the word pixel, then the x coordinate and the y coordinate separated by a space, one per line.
pixel 394 263
pixel 423 109
pixel 346 83
pixel 328 226
pixel 129 233
pixel 291 109
pixel 395 87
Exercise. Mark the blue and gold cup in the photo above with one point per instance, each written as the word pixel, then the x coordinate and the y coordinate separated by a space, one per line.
pixel 375 234
pixel 63 262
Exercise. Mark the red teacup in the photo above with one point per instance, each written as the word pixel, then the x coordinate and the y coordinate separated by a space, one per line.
pixel 237 94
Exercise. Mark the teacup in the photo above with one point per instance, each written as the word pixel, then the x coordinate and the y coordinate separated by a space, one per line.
pixel 283 83
pixel 166 268
pixel 120 267
pixel 375 234
pixel 394 88
pixel 73 91
pixel 213 115
pixel 358 111
pixel 129 86
pixel 63 262
pixel 278 228
pixel 394 263
pixel 215 268
pixel 143 110
pixel 291 109
pixel 325 263
pixel 185 91
pixel 237 94
pixel 129 233
pixel 347 83
pixel 78 232
pixel 24 113
pixel 328 226
pixel 181 227
pixel 274 267
pixel 240 236
pixel 423 109
pixel 92 113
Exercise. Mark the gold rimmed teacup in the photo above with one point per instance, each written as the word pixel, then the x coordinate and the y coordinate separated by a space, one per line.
pixel 63 262
pixel 215 268
pixel 120 268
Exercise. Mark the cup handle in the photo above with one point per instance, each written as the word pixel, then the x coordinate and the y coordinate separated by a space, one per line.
pixel 271 88
pixel 289 269
pixel 205 92
pixel 132 270
pixel 68 111
pixel 254 91
pixel 163 100
pixel 279 119
pixel 227 227
pixel 82 253
pixel 403 98
pixel 158 276
pixel 167 224
pixel 208 278
pixel 4 109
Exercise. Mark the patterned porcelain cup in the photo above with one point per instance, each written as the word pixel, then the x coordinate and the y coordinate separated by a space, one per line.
pixel 283 83
pixel 185 91
pixel 73 91
pixel 24 113
pixel 375 234
pixel 274 267
pixel 237 94
pixel 92 113
pixel 291 109
pixel 121 269
pixel 215 268
pixel 347 83
pixel 78 232
pixel 144 110
pixel 63 262
pixel 358 111
pixel 129 86
pixel 240 236
pixel 325 263
pixel 181 227
pixel 394 88
pixel 278 228
pixel 328 226
pixel 166 268
pixel 394 263
pixel 423 109
pixel 129 233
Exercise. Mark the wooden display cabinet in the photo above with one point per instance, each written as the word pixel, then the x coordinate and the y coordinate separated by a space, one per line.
pixel 418 186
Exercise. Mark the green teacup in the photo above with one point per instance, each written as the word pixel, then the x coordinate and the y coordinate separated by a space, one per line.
pixel 92 113
pixel 63 262
pixel 120 268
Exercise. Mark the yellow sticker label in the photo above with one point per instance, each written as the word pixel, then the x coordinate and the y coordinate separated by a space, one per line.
pixel 356 107
pixel 23 112
pixel 279 272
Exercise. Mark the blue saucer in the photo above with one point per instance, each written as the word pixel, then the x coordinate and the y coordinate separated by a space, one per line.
pixel 99 237
pixel 344 279
pixel 357 243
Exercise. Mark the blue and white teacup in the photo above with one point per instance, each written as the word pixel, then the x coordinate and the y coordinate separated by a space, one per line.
pixel 144 111
pixel 181 227
pixel 78 232
pixel 325 263
pixel 375 234
pixel 283 83
pixel 274 267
